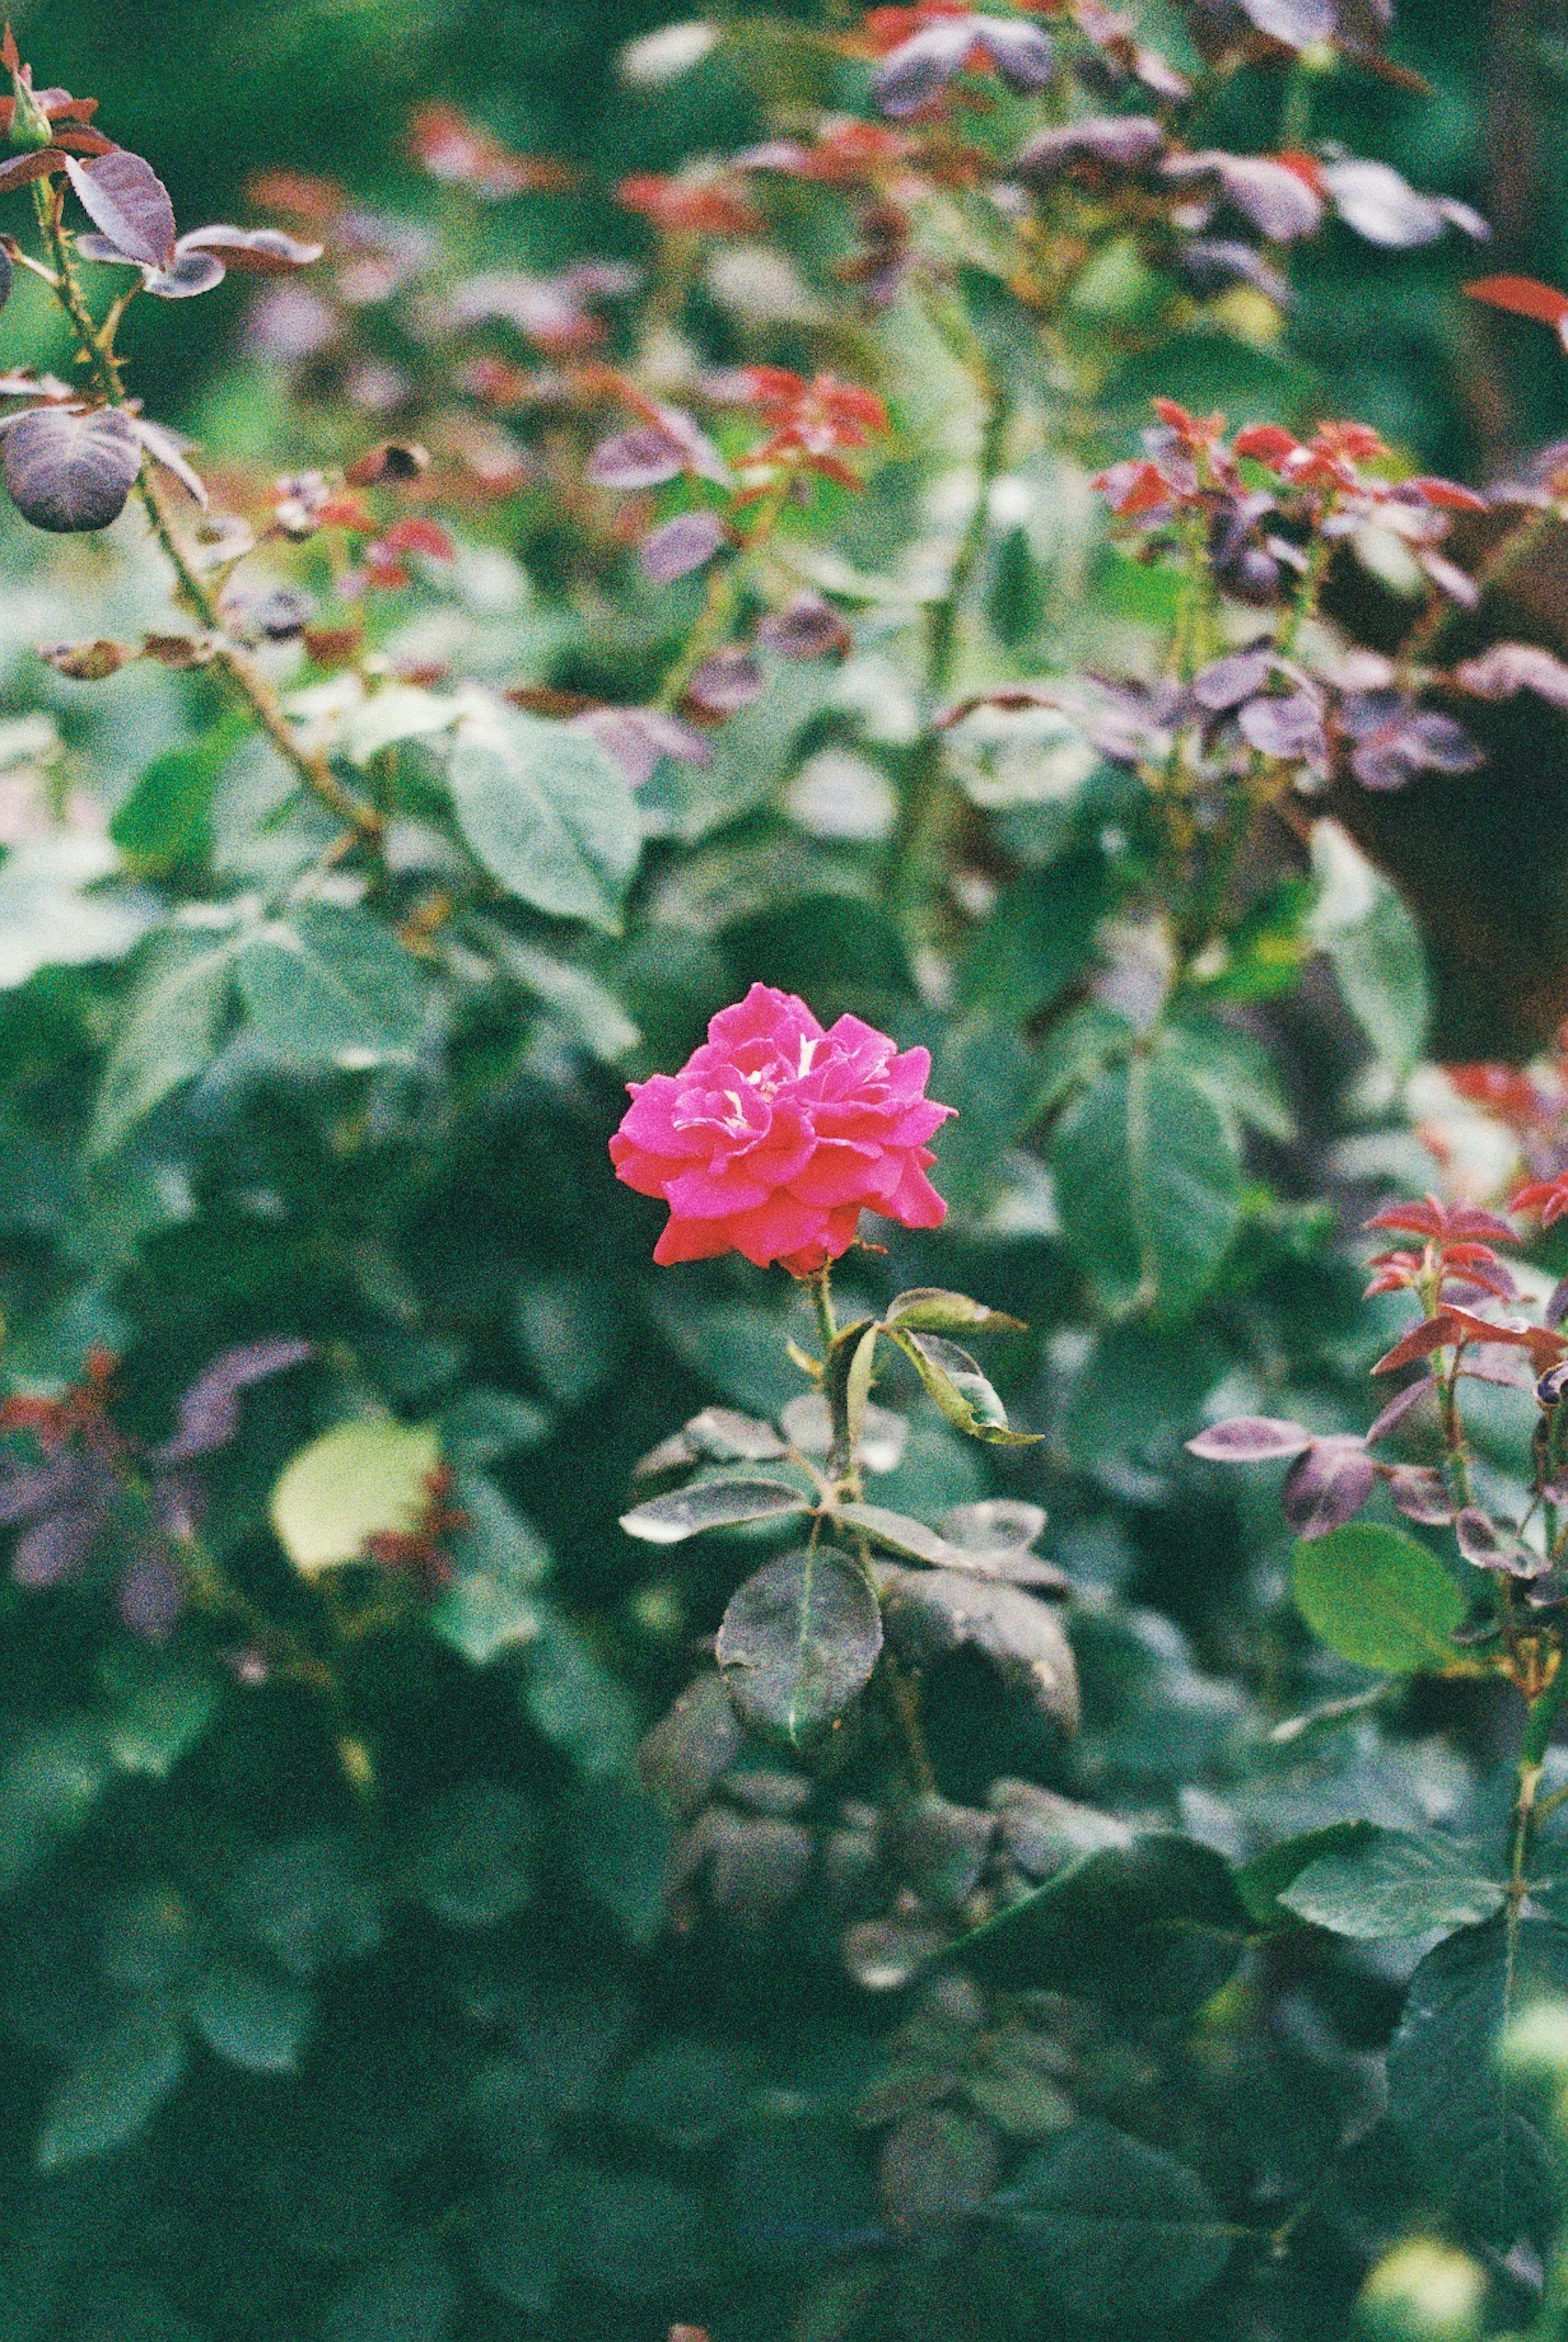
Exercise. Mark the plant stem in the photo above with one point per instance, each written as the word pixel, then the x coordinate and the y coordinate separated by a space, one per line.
pixel 97 349
pixel 919 848
pixel 1544 1712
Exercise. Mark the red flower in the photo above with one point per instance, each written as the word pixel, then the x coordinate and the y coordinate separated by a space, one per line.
pixel 775 1135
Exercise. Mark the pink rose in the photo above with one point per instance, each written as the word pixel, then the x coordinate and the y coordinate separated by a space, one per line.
pixel 774 1136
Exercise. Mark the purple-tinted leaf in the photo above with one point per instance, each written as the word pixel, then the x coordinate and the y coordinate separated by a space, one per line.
pixel 20 168
pixel 920 68
pixel 152 1596
pixel 1271 198
pixel 1398 1407
pixel 1372 199
pixel 56 1548
pixel 638 737
pixel 179 1504
pixel 188 275
pixel 43 1488
pixel 642 458
pixel 1110 145
pixel 1297 23
pixel 1288 725
pixel 1249 1439
pixel 1487 1546
pixel 1212 264
pixel 681 545
pixel 69 471
pixel 727 681
pixel 1328 1485
pixel 209 1411
pixel 1394 740
pixel 1226 682
pixel 1553 1383
pixel 1509 668
pixel 1422 1494
pixel 125 196
pixel 1021 53
pixel 1556 1307
pixel 807 627
pixel 260 251
pixel 165 448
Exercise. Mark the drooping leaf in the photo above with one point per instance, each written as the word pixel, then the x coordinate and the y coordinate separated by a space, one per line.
pixel 961 1392
pixel 1377 1597
pixel 550 815
pixel 69 471
pixel 1395 1883
pixel 711 1504
pixel 1117 2233
pixel 356 1481
pixel 798 1643
pixel 1480 2133
pixel 932 1611
pixel 1149 1186
pixel 330 985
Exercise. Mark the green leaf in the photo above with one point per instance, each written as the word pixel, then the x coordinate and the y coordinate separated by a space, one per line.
pixel 1116 2232
pixel 576 1703
pixel 251 2018
pixel 798 1643
pixel 1035 940
pixel 1375 948
pixel 52 1776
pixel 896 1533
pixel 330 985
pixel 1234 1071
pixel 164 821
pixel 1391 1884
pixel 156 1706
pixel 46 917
pixel 1263 1880
pixel 1107 1919
pixel 588 1009
pixel 1149 1186
pixel 961 1392
pixel 113 2089
pixel 1377 1597
pixel 711 1504
pixel 472 1861
pixel 412 2297
pixel 168 1032
pixel 928 1310
pixel 493 1603
pixel 1482 2136
pixel 1080 1046
pixel 356 1481
pixel 550 815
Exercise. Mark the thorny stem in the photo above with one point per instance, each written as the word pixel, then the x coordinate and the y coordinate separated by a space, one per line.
pixel 98 350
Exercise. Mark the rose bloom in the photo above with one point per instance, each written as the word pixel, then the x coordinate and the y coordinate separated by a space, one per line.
pixel 775 1135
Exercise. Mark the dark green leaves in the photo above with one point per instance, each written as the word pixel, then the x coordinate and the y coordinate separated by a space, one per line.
pixel 711 1504
pixel 1112 1912
pixel 1482 2136
pixel 798 1643
pixel 69 471
pixel 1393 1882
pixel 1149 1186
pixel 1115 2233
pixel 330 985
pixel 930 1612
pixel 115 2088
pixel 550 815
pixel 168 1031
pixel 1375 1595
